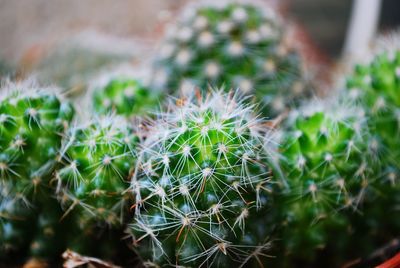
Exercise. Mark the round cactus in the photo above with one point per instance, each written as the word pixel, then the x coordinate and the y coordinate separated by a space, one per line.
pixel 32 122
pixel 328 159
pixel 234 45
pixel 124 96
pixel 202 185
pixel 97 162
pixel 376 86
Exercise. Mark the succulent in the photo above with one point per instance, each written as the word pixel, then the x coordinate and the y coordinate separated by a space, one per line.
pixel 32 122
pixel 31 125
pixel 376 87
pixel 329 161
pixel 124 96
pixel 202 185
pixel 97 161
pixel 234 45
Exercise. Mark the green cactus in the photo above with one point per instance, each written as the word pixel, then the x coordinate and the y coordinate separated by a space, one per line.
pixel 329 162
pixel 202 185
pixel 98 159
pixel 124 96
pixel 32 122
pixel 234 45
pixel 376 86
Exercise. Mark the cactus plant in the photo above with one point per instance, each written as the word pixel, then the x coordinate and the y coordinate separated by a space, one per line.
pixel 97 160
pixel 239 45
pixel 124 96
pixel 376 86
pixel 202 185
pixel 32 122
pixel 329 161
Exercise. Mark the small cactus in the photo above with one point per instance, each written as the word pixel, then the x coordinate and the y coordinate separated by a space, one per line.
pixel 97 160
pixel 328 162
pixel 124 96
pixel 32 122
pixel 31 125
pixel 202 185
pixel 376 86
pixel 235 45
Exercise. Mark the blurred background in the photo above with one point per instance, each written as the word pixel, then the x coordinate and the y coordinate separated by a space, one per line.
pixel 35 22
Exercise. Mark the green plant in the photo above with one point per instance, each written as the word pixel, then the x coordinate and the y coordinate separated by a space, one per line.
pixel 236 45
pixel 32 122
pixel 202 185
pixel 97 161
pixel 376 86
pixel 124 96
pixel 329 162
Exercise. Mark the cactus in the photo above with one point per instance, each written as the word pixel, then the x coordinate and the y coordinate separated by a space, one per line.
pixel 376 86
pixel 202 185
pixel 32 122
pixel 237 45
pixel 124 96
pixel 97 160
pixel 329 161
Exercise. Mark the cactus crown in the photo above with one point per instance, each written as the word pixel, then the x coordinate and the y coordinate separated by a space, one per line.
pixel 239 45
pixel 123 96
pixel 97 162
pixel 202 175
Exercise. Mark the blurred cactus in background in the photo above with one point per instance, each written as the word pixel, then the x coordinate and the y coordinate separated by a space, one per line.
pixel 328 161
pixel 238 45
pixel 203 185
pixel 125 96
pixel 72 63
pixel 376 86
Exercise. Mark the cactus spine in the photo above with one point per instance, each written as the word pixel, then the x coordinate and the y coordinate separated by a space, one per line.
pixel 237 45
